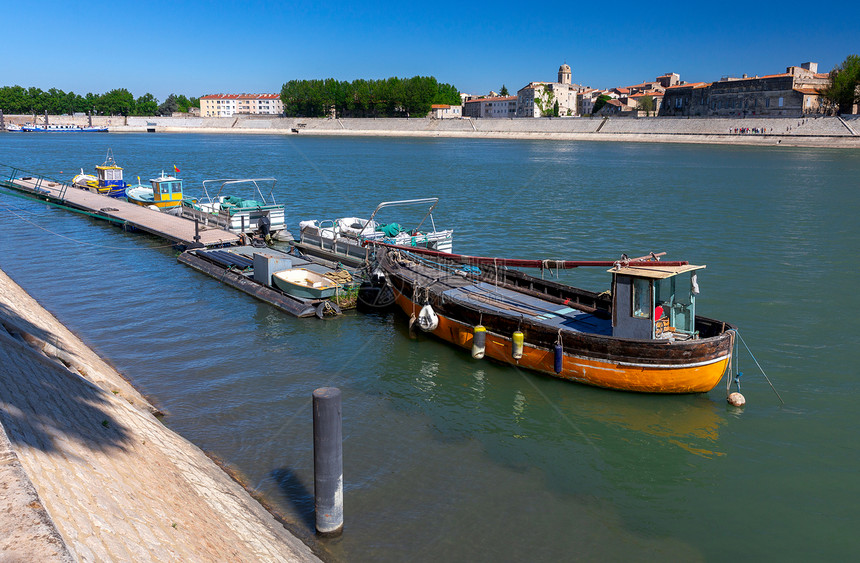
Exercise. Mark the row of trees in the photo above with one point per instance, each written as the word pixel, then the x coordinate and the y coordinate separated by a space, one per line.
pixel 393 97
pixel 19 100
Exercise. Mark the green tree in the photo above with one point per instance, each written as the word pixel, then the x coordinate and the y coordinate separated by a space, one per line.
pixel 844 89
pixel 599 103
pixel 116 102
pixel 168 106
pixel 646 104
pixel 146 105
pixel 503 91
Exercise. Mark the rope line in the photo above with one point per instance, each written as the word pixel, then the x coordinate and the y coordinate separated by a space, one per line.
pixel 759 366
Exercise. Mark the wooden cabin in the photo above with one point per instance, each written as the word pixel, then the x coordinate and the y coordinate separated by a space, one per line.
pixel 655 302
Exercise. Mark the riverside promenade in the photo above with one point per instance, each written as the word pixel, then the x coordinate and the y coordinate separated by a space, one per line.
pixel 87 472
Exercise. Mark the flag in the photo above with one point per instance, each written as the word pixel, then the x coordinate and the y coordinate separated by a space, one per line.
pixel 176 169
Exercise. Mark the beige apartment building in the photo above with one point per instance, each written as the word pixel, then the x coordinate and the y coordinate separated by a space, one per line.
pixel 228 105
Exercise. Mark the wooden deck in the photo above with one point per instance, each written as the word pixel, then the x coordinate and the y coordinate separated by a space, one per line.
pixel 175 229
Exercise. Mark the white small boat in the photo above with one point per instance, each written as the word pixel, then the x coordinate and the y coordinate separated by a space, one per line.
pixel 13 128
pixel 345 239
pixel 304 284
pixel 253 212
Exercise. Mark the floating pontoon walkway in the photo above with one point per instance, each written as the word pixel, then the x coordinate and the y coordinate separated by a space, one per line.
pixel 172 228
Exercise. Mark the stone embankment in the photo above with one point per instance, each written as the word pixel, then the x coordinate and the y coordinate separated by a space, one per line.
pixel 87 472
pixel 838 132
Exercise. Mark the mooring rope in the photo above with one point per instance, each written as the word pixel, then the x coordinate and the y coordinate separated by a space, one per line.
pixel 759 366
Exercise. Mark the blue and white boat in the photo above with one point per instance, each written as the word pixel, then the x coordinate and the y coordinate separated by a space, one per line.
pixel 61 128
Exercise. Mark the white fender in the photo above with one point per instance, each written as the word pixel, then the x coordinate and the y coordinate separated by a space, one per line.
pixel 694 285
pixel 428 320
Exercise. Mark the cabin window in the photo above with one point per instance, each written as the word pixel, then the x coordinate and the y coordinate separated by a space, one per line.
pixel 641 298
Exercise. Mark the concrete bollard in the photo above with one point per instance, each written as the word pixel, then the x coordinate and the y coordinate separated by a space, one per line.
pixel 328 461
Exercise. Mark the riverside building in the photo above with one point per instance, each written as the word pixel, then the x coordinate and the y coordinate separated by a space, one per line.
pixel 794 93
pixel 538 99
pixel 227 105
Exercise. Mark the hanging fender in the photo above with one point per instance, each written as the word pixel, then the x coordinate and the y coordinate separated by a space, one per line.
pixel 428 320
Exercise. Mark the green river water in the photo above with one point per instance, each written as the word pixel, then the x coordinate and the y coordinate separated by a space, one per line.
pixel 450 458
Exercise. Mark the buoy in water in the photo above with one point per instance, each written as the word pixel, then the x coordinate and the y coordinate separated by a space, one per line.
pixel 428 320
pixel 736 399
pixel 479 342
pixel 517 345
pixel 559 357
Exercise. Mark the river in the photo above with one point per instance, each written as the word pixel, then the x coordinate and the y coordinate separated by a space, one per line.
pixel 450 458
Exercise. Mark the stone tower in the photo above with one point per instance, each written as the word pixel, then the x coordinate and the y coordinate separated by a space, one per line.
pixel 564 74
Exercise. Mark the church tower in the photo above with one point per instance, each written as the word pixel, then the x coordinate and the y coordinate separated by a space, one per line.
pixel 564 74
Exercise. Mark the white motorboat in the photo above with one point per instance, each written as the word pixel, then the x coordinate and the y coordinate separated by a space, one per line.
pixel 344 239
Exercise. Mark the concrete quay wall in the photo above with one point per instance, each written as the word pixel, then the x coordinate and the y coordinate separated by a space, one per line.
pixel 815 132
pixel 88 473
pixel 836 132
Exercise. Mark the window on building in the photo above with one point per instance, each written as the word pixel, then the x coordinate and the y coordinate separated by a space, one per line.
pixel 780 101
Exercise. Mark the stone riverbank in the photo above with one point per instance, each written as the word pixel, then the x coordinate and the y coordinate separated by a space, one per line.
pixel 88 473
pixel 835 132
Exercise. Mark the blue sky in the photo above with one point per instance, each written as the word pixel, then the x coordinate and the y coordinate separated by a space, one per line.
pixel 196 47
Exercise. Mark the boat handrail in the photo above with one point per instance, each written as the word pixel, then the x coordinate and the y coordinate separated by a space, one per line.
pixel 225 181
pixel 401 203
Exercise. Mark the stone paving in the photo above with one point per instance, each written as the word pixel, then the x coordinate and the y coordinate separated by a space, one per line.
pixel 89 474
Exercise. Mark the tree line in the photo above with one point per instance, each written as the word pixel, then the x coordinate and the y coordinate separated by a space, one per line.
pixel 19 100
pixel 392 97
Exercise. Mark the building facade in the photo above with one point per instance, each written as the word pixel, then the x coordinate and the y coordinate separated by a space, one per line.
pixel 539 99
pixel 794 93
pixel 491 107
pixel 227 105
pixel 444 111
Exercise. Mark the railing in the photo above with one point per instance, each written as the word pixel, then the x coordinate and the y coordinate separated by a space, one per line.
pixel 10 173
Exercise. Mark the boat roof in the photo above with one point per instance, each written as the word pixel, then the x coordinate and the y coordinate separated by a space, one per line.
pixel 654 272
pixel 108 167
pixel 165 178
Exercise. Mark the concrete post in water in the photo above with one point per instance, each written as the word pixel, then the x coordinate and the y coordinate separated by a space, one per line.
pixel 2 121
pixel 89 119
pixel 328 461
pixel 46 118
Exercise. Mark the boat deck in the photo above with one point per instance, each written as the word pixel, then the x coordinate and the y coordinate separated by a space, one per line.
pixel 507 302
pixel 175 229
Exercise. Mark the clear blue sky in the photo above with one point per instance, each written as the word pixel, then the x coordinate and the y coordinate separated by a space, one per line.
pixel 196 47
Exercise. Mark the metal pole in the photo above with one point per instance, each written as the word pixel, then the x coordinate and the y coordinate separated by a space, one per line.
pixel 328 461
pixel 196 230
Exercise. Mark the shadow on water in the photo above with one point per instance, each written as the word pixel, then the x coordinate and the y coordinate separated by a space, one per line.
pixel 297 494
pixel 44 400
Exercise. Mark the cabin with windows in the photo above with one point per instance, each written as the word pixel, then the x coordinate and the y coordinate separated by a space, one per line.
pixel 655 302
pixel 166 191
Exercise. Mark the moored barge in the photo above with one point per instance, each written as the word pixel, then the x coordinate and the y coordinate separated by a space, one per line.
pixel 643 335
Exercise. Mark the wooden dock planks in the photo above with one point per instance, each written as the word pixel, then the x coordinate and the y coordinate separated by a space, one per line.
pixel 160 224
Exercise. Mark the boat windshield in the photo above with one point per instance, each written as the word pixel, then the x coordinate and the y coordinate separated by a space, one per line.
pixel 676 295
